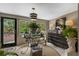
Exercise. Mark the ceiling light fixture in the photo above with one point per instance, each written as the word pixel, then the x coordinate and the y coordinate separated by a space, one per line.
pixel 33 15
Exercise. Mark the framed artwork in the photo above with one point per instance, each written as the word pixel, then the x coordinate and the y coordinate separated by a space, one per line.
pixel 60 25
pixel 61 22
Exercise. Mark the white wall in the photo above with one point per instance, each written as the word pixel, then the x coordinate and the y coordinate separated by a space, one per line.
pixel 44 10
pixel 72 16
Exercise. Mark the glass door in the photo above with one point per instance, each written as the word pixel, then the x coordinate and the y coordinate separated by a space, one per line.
pixel 9 31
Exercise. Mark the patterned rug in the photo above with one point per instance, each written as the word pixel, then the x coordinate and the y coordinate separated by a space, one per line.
pixel 24 50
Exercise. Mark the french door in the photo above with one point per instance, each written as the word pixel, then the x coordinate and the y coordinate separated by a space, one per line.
pixel 8 31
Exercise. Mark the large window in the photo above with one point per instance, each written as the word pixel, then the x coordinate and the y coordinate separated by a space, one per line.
pixel 42 26
pixel 23 27
pixel 9 31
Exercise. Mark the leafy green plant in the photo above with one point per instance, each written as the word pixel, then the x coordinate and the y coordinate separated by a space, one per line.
pixel 70 32
pixel 4 53
pixel 1 53
pixel 33 25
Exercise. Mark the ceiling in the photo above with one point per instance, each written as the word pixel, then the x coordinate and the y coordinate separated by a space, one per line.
pixel 45 11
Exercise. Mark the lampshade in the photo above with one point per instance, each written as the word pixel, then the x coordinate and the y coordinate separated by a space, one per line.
pixel 70 23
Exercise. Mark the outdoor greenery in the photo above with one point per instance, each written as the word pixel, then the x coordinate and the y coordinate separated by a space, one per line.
pixel 23 26
pixel 9 25
pixel 42 26
pixel 70 32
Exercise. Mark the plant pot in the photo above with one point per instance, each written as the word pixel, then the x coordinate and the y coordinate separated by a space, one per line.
pixel 71 43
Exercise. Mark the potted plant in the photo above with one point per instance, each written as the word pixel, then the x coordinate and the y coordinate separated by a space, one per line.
pixel 71 35
pixel 1 53
pixel 5 53
pixel 33 27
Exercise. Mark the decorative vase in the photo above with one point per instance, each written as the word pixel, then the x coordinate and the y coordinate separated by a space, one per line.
pixel 71 43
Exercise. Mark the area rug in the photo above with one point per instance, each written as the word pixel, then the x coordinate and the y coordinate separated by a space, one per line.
pixel 24 50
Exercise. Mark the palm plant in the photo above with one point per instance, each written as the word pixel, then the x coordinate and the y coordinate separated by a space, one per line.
pixel 70 32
